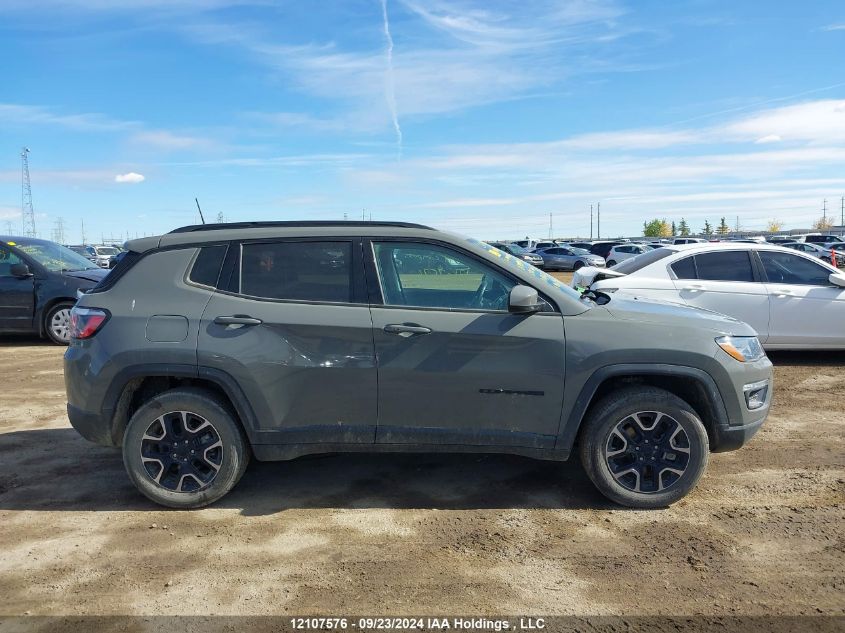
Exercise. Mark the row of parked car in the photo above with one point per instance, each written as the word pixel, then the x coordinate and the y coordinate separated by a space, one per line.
pixel 102 255
pixel 572 255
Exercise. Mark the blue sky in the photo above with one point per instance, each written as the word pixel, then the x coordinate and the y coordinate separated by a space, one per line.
pixel 473 116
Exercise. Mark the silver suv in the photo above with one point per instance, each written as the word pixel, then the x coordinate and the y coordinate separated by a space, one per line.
pixel 213 344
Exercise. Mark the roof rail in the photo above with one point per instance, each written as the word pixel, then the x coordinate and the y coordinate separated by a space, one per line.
pixel 306 223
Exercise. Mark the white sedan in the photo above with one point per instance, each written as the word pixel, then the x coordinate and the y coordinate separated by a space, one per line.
pixel 793 300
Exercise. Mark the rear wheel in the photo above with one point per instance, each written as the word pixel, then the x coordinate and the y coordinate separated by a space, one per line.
pixel 184 449
pixel 578 265
pixel 57 323
pixel 644 447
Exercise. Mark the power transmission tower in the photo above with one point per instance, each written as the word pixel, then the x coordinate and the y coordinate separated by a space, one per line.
pixel 83 233
pixel 220 218
pixel 9 228
pixel 59 231
pixel 27 212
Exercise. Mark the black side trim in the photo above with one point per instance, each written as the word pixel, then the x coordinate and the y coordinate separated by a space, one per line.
pixel 515 392
pixel 573 423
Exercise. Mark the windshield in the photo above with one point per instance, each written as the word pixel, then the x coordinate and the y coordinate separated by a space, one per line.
pixel 53 257
pixel 580 251
pixel 541 278
pixel 107 250
pixel 514 249
pixel 637 262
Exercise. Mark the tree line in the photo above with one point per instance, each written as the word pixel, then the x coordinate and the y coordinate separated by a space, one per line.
pixel 661 227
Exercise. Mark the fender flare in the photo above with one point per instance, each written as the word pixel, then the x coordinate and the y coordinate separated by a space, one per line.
pixel 573 422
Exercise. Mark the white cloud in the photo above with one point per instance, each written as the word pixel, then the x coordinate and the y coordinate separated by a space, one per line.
pixel 769 138
pixel 131 178
pixel 834 27
pixel 162 139
pixel 817 122
pixel 11 113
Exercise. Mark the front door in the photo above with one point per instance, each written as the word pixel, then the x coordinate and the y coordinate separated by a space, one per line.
pixel 293 328
pixel 806 309
pixel 454 366
pixel 17 295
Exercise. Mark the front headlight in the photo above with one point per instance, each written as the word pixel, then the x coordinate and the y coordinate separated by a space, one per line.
pixel 746 349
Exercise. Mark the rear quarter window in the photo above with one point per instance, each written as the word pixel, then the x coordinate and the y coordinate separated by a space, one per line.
pixel 206 268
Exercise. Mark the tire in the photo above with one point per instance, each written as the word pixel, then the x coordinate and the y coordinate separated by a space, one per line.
pixel 611 263
pixel 577 265
pixel 677 440
pixel 57 323
pixel 213 439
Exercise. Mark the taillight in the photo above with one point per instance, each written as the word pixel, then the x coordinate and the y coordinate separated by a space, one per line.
pixel 86 322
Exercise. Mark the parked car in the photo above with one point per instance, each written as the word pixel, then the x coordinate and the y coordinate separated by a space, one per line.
pixel 214 343
pixel 818 238
pixel 791 299
pixel 562 258
pixel 519 252
pixel 585 245
pixel 688 240
pixel 100 255
pixel 779 239
pixel 38 285
pixel 815 250
pixel 626 251
pixel 541 245
pixel 602 249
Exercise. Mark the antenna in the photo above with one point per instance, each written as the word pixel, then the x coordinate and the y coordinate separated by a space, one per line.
pixel 200 210
pixel 27 212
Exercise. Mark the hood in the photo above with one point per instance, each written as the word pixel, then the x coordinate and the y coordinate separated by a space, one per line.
pixel 94 274
pixel 630 308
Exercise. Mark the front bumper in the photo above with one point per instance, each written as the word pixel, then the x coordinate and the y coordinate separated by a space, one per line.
pixel 730 438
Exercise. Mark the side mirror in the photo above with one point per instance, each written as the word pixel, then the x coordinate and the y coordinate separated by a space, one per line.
pixel 837 279
pixel 21 271
pixel 524 300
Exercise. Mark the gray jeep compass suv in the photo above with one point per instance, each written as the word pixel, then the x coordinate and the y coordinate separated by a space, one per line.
pixel 214 343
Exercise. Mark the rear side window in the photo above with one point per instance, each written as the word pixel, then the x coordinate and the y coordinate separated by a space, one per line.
pixel 684 268
pixel 297 271
pixel 206 268
pixel 724 266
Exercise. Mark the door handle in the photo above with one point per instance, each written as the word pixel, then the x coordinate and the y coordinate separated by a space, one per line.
pixel 694 287
pixel 237 319
pixel 784 293
pixel 406 329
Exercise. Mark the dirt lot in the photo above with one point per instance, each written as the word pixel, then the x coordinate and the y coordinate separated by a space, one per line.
pixel 762 534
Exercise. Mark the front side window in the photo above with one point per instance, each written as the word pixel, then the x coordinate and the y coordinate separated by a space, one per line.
pixel 724 266
pixel 297 271
pixel 431 276
pixel 7 260
pixel 786 268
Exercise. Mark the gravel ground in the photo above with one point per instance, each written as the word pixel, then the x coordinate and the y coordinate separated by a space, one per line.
pixel 763 534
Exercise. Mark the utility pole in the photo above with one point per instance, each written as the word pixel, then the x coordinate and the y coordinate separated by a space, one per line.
pixel 550 225
pixel 598 220
pixel 363 215
pixel 9 228
pixel 842 207
pixel 824 211
pixel 83 233
pixel 591 222
pixel 27 211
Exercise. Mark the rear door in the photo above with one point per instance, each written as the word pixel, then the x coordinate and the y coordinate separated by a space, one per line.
pixel 17 295
pixel 726 282
pixel 454 366
pixel 806 309
pixel 290 323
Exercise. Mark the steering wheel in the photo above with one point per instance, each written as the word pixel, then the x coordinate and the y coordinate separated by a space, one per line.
pixel 488 286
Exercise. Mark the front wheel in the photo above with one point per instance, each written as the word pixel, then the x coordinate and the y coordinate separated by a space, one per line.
pixel 184 449
pixel 57 323
pixel 578 265
pixel 611 263
pixel 644 447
